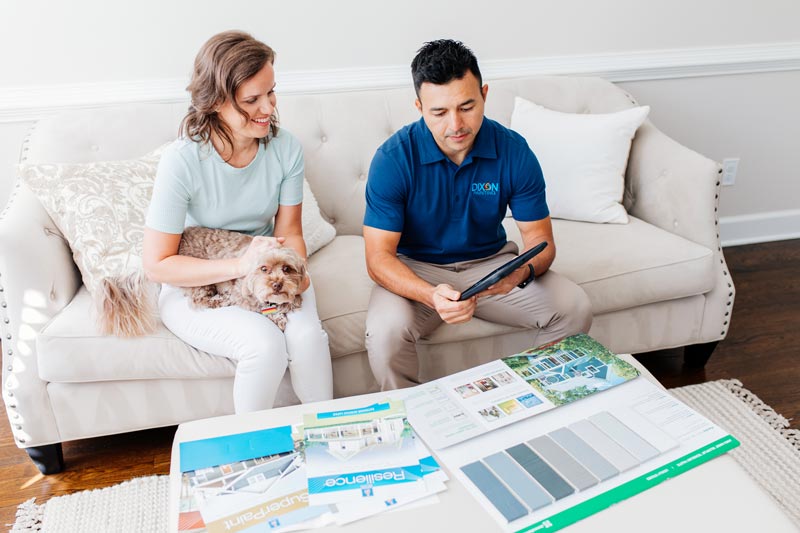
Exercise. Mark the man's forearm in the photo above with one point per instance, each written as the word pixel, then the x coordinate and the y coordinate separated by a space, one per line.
pixel 395 276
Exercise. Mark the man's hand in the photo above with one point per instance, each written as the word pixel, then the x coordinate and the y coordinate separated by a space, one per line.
pixel 505 285
pixel 445 302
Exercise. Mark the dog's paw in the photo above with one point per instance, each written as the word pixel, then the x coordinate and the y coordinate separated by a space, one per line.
pixel 279 319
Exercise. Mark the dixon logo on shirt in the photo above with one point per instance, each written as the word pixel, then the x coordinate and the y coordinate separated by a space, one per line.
pixel 485 189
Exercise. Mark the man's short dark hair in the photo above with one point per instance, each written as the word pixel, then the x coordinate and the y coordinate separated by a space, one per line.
pixel 442 61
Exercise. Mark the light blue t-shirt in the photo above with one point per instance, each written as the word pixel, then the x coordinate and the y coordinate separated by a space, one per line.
pixel 194 186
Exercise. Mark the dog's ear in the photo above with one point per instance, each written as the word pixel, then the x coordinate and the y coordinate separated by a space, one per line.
pixel 248 283
pixel 300 265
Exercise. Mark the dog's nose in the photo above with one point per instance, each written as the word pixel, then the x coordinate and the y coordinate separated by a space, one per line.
pixel 277 286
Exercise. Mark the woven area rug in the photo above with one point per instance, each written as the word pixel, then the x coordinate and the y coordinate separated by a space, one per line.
pixel 769 452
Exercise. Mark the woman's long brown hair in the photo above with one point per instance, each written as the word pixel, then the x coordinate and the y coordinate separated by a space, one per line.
pixel 225 61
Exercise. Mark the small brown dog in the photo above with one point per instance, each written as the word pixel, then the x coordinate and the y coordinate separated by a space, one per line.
pixel 270 287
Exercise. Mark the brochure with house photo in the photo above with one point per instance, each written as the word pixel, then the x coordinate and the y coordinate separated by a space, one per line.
pixel 366 453
pixel 246 480
pixel 458 407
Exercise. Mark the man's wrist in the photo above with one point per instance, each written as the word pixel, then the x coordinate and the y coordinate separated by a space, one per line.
pixel 529 276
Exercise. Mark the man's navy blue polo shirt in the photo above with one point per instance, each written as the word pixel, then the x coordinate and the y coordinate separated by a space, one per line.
pixel 448 213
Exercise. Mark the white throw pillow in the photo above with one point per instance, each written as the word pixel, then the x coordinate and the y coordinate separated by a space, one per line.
pixel 583 158
pixel 317 231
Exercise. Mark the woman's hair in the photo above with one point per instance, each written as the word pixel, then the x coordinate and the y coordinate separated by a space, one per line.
pixel 225 61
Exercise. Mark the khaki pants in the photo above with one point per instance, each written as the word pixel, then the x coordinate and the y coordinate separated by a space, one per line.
pixel 552 306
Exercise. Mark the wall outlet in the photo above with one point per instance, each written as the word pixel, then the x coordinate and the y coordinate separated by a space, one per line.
pixel 729 168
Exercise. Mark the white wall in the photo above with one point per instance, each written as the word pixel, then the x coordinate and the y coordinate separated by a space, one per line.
pixel 91 40
pixel 754 117
pixel 52 53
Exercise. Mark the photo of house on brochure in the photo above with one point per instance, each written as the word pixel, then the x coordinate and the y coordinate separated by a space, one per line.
pixel 470 403
pixel 570 369
pixel 361 453
pixel 224 490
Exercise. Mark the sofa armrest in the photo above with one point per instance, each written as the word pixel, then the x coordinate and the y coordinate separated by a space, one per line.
pixel 677 189
pixel 673 187
pixel 38 278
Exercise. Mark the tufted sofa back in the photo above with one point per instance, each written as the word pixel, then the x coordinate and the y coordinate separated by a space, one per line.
pixel 339 131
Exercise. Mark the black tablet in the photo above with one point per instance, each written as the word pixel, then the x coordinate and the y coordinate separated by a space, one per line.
pixel 501 272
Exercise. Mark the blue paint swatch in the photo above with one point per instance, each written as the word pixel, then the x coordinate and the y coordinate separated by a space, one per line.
pixel 531 494
pixel 541 471
pixel 494 490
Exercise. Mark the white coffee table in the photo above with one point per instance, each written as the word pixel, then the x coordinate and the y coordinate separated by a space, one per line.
pixel 716 496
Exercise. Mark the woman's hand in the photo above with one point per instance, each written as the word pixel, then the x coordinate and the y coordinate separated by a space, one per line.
pixel 256 249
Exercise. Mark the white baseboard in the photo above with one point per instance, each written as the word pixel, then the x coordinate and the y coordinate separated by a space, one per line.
pixel 22 104
pixel 760 227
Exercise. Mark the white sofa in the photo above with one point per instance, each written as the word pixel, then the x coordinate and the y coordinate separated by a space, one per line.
pixel 658 282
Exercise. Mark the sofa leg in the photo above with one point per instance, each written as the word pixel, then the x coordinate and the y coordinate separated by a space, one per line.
pixel 49 459
pixel 697 355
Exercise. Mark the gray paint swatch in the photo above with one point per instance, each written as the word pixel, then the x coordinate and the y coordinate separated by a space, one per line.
pixel 640 448
pixel 604 445
pixel 494 490
pixel 584 453
pixel 541 471
pixel 534 496
pixel 563 462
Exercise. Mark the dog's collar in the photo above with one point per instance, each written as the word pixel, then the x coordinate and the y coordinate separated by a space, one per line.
pixel 269 309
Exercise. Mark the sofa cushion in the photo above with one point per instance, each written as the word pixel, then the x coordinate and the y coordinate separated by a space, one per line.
pixel 624 266
pixel 342 287
pixel 70 349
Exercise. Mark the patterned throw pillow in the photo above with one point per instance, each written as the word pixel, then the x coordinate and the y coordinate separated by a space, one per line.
pixel 100 208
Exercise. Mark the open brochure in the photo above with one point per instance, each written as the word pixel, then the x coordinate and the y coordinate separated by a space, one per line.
pixel 461 406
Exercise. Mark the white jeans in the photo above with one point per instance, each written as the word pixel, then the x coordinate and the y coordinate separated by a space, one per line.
pixel 262 351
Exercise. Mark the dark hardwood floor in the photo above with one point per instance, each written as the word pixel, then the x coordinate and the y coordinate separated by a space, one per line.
pixel 762 350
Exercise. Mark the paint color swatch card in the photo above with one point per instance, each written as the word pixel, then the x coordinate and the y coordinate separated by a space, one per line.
pixel 470 403
pixel 361 454
pixel 548 472
pixel 247 480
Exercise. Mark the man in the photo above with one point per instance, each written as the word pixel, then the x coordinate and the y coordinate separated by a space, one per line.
pixel 437 193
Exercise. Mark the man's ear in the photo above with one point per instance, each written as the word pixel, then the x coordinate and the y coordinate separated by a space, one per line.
pixel 418 105
pixel 484 91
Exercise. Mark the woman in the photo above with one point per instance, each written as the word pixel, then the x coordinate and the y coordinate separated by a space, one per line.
pixel 233 169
